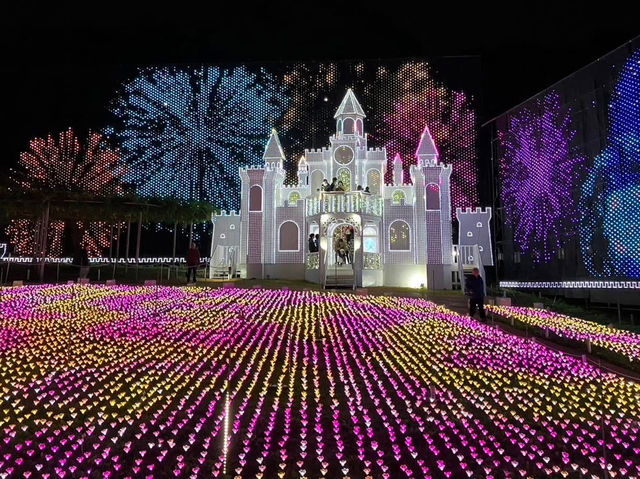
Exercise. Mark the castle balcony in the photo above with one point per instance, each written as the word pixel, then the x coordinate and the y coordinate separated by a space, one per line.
pixel 344 202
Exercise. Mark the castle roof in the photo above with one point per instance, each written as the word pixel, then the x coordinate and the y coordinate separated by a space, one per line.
pixel 273 150
pixel 349 106
pixel 426 147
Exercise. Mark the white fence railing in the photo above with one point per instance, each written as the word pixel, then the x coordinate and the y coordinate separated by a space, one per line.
pixel 344 202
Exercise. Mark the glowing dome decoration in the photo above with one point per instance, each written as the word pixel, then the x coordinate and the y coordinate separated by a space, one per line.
pixel 539 172
pixel 610 223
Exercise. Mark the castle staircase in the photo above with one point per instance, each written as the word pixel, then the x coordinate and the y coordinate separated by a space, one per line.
pixel 467 257
pixel 339 276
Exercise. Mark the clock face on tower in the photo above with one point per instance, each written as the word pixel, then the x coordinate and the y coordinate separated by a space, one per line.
pixel 343 155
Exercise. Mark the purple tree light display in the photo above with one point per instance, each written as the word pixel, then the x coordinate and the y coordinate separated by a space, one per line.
pixel 538 173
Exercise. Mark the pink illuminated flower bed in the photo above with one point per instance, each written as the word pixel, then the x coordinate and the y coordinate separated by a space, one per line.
pixel 161 382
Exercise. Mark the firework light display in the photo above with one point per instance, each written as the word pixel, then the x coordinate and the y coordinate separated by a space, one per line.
pixel 538 173
pixel 184 132
pixel 610 225
pixel 104 381
pixel 570 177
pixel 64 163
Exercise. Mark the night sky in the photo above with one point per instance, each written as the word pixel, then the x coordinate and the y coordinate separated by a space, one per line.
pixel 62 64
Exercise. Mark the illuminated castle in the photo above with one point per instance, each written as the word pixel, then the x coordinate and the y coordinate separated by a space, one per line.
pixel 402 231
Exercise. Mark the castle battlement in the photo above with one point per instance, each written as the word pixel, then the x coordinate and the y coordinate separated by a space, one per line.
pixel 224 213
pixel 252 168
pixel 315 150
pixel 474 211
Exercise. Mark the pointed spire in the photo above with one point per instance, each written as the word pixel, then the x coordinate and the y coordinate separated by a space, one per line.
pixel 349 106
pixel 398 174
pixel 302 163
pixel 273 151
pixel 427 148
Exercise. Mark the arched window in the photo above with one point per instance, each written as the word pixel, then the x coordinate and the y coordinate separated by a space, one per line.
pixel 398 196
pixel 347 126
pixel 344 175
pixel 294 196
pixel 359 126
pixel 288 236
pixel 316 180
pixel 373 181
pixel 370 239
pixel 314 228
pixel 433 196
pixel 255 198
pixel 399 236
pixel 339 126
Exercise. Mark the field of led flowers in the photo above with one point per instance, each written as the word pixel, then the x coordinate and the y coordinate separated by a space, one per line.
pixel 619 341
pixel 131 381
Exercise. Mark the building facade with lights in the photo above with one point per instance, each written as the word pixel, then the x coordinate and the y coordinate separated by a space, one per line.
pixel 402 230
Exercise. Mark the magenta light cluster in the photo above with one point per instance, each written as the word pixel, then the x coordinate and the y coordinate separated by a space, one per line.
pixel 127 381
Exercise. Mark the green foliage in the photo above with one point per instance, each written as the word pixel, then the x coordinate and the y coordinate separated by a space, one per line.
pixel 74 206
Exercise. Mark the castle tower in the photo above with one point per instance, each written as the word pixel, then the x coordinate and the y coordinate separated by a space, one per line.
pixel 398 176
pixel 348 145
pixel 432 210
pixel 427 153
pixel 273 153
pixel 303 172
pixel 349 116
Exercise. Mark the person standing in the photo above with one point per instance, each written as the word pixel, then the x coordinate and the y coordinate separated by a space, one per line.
pixel 193 261
pixel 84 263
pixel 312 244
pixel 474 288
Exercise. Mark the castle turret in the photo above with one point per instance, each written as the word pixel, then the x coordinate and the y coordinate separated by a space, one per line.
pixel 273 154
pixel 398 178
pixel 303 172
pixel 349 116
pixel 427 153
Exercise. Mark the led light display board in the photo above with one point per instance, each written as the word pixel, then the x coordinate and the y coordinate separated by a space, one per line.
pixel 569 177
pixel 184 131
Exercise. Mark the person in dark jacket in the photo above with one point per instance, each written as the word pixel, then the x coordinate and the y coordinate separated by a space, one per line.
pixel 84 262
pixel 474 288
pixel 325 185
pixel 193 261
pixel 312 244
pixel 333 185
